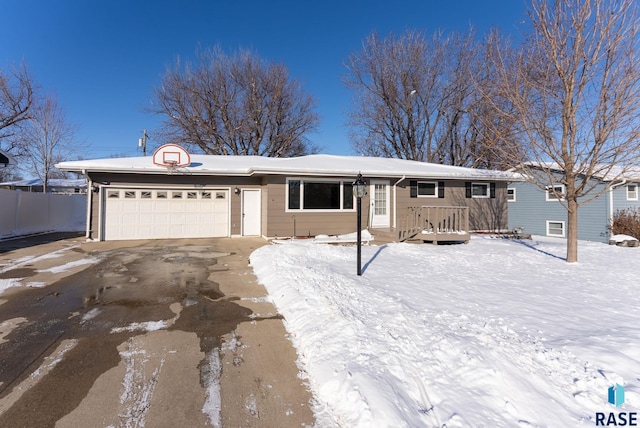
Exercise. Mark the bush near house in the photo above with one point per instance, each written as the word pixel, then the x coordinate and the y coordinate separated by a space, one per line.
pixel 627 222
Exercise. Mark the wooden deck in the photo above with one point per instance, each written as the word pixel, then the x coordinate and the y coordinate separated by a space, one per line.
pixel 429 224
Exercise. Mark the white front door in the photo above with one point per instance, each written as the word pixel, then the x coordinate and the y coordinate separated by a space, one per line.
pixel 380 203
pixel 250 212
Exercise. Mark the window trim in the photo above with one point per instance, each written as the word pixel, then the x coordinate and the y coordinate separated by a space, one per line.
pixel 486 186
pixel 514 194
pixel 564 230
pixel 435 189
pixel 302 180
pixel 551 197
pixel 635 192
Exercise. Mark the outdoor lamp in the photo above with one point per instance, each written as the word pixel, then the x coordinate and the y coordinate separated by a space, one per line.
pixel 359 187
pixel 359 190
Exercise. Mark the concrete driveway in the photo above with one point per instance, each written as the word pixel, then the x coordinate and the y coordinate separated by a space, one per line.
pixel 142 333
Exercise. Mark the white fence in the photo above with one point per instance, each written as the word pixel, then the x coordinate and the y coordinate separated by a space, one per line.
pixel 29 212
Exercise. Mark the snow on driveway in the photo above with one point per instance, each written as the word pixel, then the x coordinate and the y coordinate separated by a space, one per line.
pixel 494 333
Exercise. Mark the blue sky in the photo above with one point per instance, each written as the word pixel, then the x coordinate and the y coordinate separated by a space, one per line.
pixel 103 58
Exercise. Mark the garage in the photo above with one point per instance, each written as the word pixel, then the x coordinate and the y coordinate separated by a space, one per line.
pixel 150 213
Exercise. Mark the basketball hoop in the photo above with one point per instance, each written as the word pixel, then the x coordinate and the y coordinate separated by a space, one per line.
pixel 171 166
pixel 171 155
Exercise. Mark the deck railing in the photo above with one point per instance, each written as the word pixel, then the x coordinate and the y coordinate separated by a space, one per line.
pixel 435 223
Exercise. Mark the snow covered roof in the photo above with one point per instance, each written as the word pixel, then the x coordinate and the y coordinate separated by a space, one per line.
pixel 603 172
pixel 315 165
pixel 53 182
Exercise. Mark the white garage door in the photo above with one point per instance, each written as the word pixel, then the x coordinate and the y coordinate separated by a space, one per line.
pixel 165 213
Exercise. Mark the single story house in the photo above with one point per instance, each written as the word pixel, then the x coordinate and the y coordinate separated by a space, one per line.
pixel 174 194
pixel 539 211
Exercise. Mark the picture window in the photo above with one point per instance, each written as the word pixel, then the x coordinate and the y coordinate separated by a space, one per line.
pixel 319 195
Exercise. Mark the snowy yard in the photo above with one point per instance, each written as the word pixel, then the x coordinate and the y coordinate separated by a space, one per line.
pixel 495 333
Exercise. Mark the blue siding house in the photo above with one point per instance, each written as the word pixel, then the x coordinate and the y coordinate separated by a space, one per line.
pixel 539 212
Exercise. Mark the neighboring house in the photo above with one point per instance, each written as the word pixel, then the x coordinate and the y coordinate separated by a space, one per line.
pixel 539 212
pixel 55 185
pixel 177 195
pixel 6 160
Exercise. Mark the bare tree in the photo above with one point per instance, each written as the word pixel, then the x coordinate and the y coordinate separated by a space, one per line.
pixel 417 98
pixel 16 99
pixel 48 138
pixel 235 105
pixel 399 93
pixel 493 140
pixel 575 92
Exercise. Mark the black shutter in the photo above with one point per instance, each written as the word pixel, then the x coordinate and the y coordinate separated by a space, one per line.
pixel 492 190
pixel 440 189
pixel 413 184
pixel 467 186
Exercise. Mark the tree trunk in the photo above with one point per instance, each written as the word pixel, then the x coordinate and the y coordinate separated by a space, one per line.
pixel 572 231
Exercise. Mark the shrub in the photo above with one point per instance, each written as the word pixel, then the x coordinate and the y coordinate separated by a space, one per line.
pixel 626 222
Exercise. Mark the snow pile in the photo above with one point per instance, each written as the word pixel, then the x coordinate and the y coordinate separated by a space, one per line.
pixel 365 237
pixel 494 333
pixel 621 238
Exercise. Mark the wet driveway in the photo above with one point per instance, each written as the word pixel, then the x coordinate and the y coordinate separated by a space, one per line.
pixel 58 341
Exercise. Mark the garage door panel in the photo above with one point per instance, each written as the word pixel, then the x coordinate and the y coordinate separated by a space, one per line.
pixel 165 213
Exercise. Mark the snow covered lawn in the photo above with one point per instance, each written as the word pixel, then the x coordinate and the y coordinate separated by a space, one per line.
pixel 495 333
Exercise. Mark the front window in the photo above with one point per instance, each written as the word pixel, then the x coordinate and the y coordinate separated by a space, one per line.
pixel 320 195
pixel 555 192
pixel 479 190
pixel 632 192
pixel 555 228
pixel 427 189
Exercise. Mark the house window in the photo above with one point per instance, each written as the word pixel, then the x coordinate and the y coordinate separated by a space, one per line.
pixel 555 228
pixel 632 192
pixel 427 189
pixel 347 196
pixel 511 194
pixel 294 194
pixel 319 195
pixel 479 190
pixel 556 192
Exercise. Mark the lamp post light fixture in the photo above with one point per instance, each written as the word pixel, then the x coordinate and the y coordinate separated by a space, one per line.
pixel 359 190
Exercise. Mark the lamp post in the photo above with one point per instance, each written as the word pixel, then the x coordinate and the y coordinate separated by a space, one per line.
pixel 359 190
